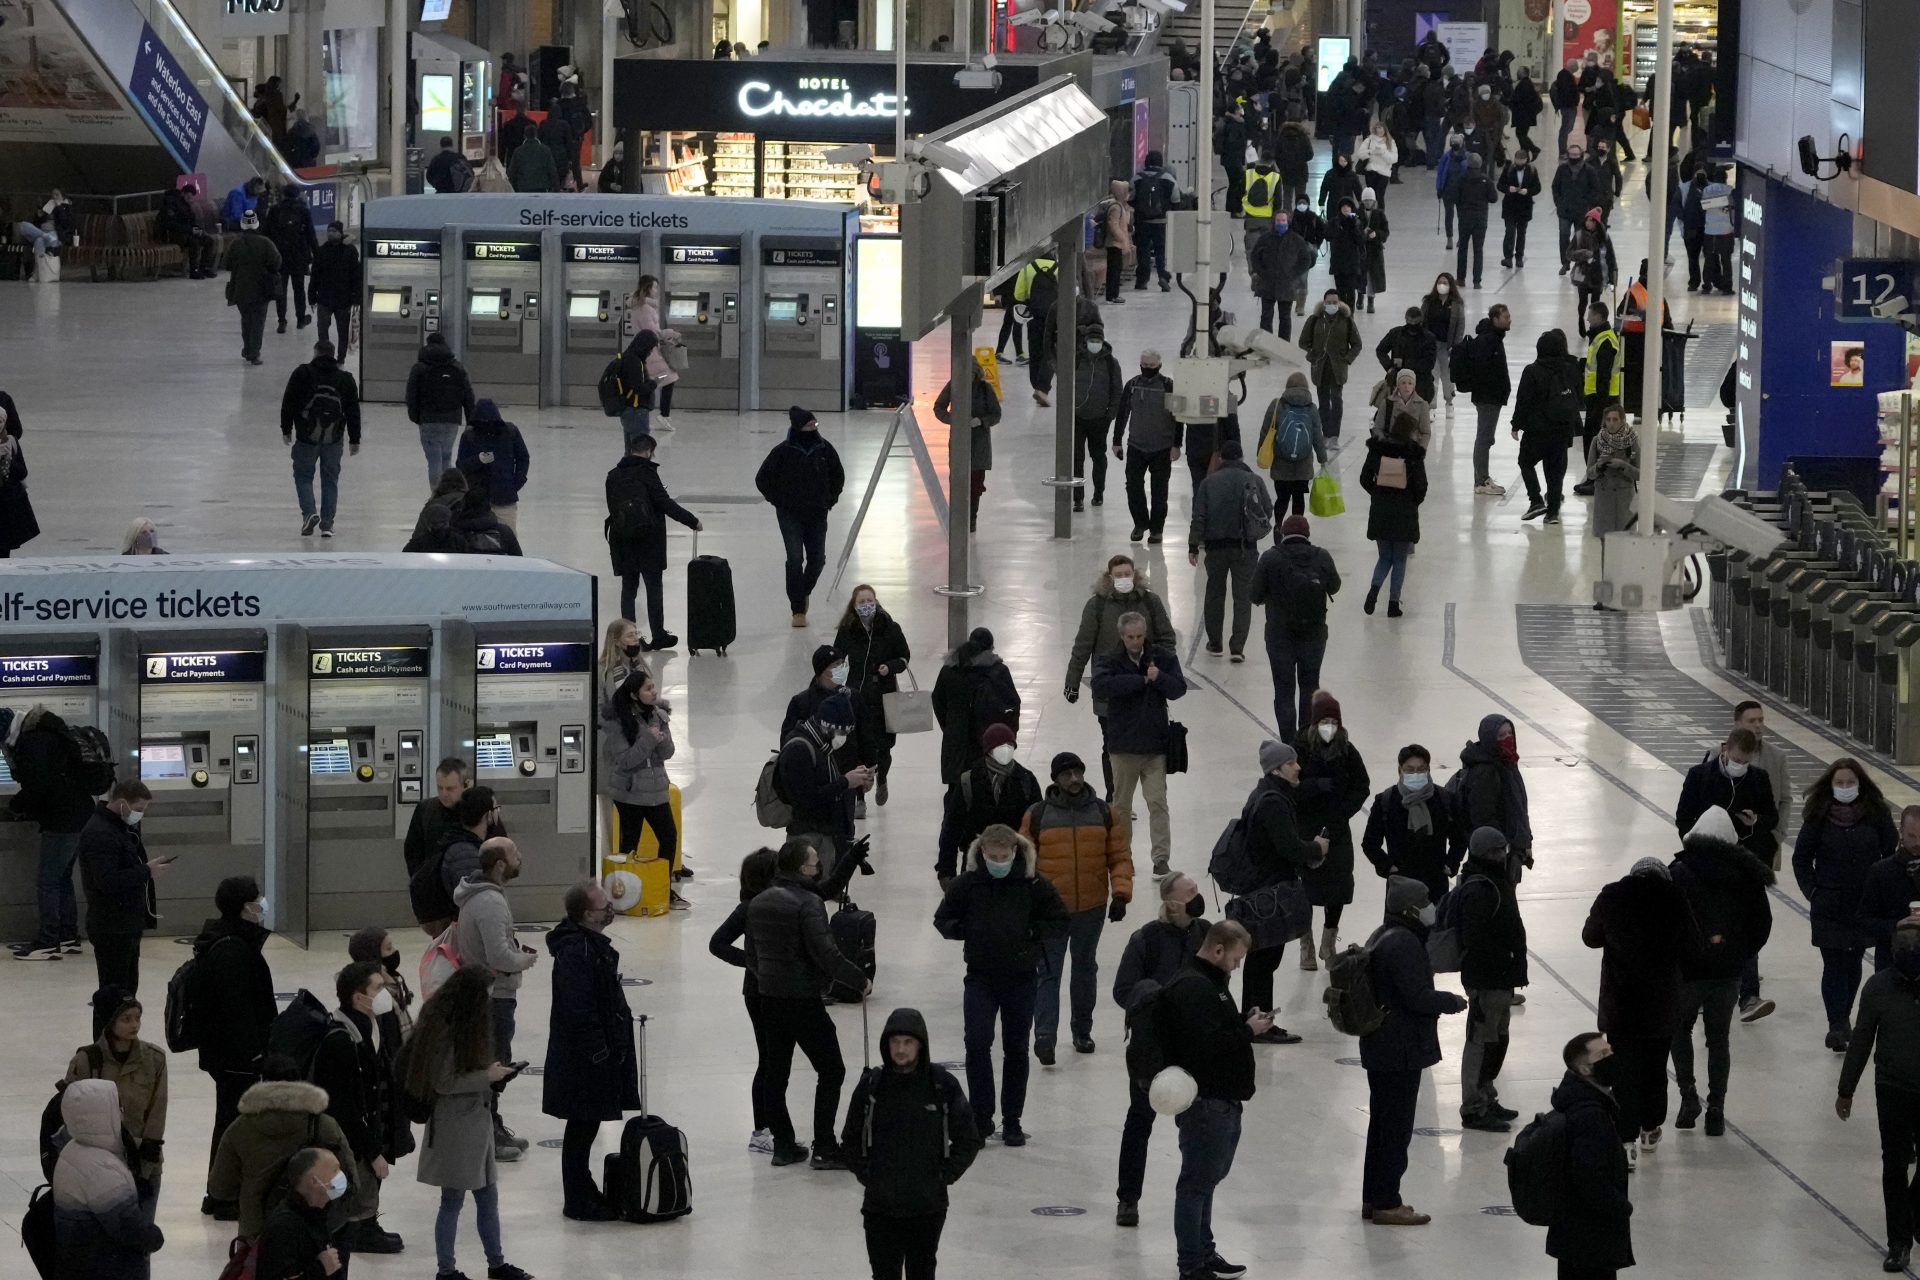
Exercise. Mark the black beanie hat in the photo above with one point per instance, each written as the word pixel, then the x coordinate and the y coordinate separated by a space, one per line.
pixel 823 657
pixel 798 417
pixel 1064 761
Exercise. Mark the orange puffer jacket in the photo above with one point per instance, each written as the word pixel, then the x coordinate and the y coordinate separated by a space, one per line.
pixel 1083 848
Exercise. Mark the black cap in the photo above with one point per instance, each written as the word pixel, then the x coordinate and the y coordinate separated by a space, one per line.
pixel 1064 761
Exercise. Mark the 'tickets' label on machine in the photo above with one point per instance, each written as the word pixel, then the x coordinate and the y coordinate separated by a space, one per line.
pixel 226 667
pixel 49 669
pixel 397 662
pixel 558 658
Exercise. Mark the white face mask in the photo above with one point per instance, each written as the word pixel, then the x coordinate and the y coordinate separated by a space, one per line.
pixel 1327 729
pixel 337 1186
pixel 257 910
pixel 1846 795
pixel 134 816
pixel 1429 913
pixel 1002 754
pixel 1736 768
pixel 1333 308
pixel 1093 348
pixel 839 672
pixel 1442 288
pixel 1123 585
pixel 382 1003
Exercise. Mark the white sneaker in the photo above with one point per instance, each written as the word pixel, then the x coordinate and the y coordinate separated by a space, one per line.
pixel 1488 489
pixel 1633 1156
pixel 1649 1140
pixel 761 1142
pixel 662 424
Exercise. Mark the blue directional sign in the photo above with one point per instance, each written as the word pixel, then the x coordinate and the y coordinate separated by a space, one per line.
pixel 1875 288
pixel 164 93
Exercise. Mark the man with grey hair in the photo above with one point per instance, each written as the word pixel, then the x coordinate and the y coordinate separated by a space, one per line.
pixel 294 1245
pixel 1136 683
pixel 1152 436
pixel 484 936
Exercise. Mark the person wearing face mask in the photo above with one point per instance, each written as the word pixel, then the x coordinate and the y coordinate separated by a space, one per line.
pixel 1471 193
pixel 1281 853
pixel 1312 228
pixel 358 1079
pixel 1394 477
pixel 1232 515
pixel 1845 828
pixel 801 478
pixel 876 652
pixel 1645 930
pixel 1593 1239
pixel 1444 313
pixel 1493 792
pixel 1489 117
pixel 1122 589
pixel 1892 885
pixel 279 1115
pixel 1578 185
pixel 119 879
pixel 996 789
pixel 1732 781
pixel 1397 1054
pixel 1519 187
pixel 1004 913
pixel 233 1008
pixel 294 1245
pixel 1493 967
pixel 1372 221
pixel 620 654
pixel 1097 390
pixel 100 1230
pixel 1480 365
pixel 395 1024
pixel 1339 183
pixel 1413 827
pixel 484 939
pixel 1546 414
pixel 141 539
pixel 1347 252
pixel 985 417
pixel 1279 261
pixel 335 287
pixel 1081 848
pixel 636 741
pixel 1410 348
pixel 1153 437
pixel 1888 1029
pixel 1333 788
pixel 812 775
pixel 1136 683
pixel 138 1070
pixel 1376 158
pixel 1331 340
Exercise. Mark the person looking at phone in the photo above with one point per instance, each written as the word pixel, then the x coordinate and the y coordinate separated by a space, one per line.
pixel 358 1079
pixel 118 877
pixel 484 937
pixel 1278 848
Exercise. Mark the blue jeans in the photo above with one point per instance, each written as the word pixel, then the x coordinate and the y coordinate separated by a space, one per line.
pixel 1393 559
pixel 59 915
pixel 1083 934
pixel 805 537
pixel 1010 998
pixel 437 441
pixel 42 240
pixel 486 1212
pixel 634 422
pixel 1436 131
pixel 1209 1133
pixel 304 458
pixel 1839 980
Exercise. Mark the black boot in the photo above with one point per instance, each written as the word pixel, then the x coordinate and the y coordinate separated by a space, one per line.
pixel 1373 598
pixel 1689 1110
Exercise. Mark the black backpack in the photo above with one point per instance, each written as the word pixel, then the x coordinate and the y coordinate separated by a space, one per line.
pixel 1146 1033
pixel 1044 290
pixel 1230 865
pixel 97 771
pixel 632 515
pixel 1563 406
pixel 1537 1170
pixel 298 1030
pixel 38 1235
pixel 1460 360
pixel 1101 231
pixel 440 389
pixel 182 1027
pixel 427 892
pixel 1304 593
pixel 325 413
pixel 1150 197
pixel 613 391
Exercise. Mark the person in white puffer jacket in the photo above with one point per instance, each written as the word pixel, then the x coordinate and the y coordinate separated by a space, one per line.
pixel 1375 158
pixel 102 1231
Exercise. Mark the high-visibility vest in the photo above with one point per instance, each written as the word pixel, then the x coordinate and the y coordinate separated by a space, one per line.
pixel 1634 320
pixel 1261 189
pixel 1604 338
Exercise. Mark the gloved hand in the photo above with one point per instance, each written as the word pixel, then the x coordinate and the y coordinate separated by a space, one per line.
pixel 1459 1003
pixel 1117 909
pixel 1073 693
pixel 149 1148
pixel 945 881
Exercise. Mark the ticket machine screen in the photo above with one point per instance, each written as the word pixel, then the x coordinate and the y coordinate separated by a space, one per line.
pixel 163 760
pixel 493 751
pixel 583 306
pixel 386 302
pixel 686 310
pixel 329 757
pixel 485 304
pixel 783 310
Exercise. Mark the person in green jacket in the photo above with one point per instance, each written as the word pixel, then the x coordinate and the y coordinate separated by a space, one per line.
pixel 533 169
pixel 253 273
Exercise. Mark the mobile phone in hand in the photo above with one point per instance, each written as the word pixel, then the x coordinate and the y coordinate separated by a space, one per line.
pixel 518 1067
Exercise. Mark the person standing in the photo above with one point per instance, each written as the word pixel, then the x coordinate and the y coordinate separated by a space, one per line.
pixel 1613 474
pixel 358 1079
pixel 1037 288
pixel 643 316
pixel 1395 479
pixel 319 419
pixel 119 877
pixel 1295 581
pixel 1005 913
pixel 1546 414
pixel 439 399
pixel 1399 1051
pixel 1232 516
pixel 1564 96
pixel 636 741
pixel 591 1071
pixel 1472 194
pixel 1279 262
pixel 974 690
pixel 484 938
pixel 1717 228
pixel 1444 313
pixel 1152 436
pixel 1888 1028
pixel 1153 957
pixel 1117 220
pixel 253 267
pixel 876 653
pixel 985 417
pixel 1523 106
pixel 1493 792
pixel 51 793
pixel 1333 788
pixel 1098 387
pixel 1376 157
pixel 1374 231
pixel 290 226
pixel 637 509
pixel 1593 1238
pixel 909 1136
pixel 493 454
pixel 1845 828
pixel 1082 849
pixel 101 1230
pixel 1645 929
pixel 1519 187
pixel 815 779
pixel 1332 342
pixel 1594 263
pixel 1726 889
pixel 1493 966
pixel 295 1245
pixel 433 817
pixel 635 386
pixel 138 1071
pixel 335 288
pixel 801 479
pixel 233 1007
pixel 995 789
pixel 533 168
pixel 1279 852
pixel 1136 682
pixel 1293 153
pixel 1347 252
pixel 1155 192
pixel 1693 226
pixel 1413 827
pixel 1600 383
pixel 1407 354
pixel 1119 591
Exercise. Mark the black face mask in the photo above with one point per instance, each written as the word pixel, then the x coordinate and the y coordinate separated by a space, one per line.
pixel 632 650
pixel 1606 1072
pixel 391 963
pixel 1196 907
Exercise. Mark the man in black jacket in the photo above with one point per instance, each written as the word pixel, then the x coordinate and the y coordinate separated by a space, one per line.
pixel 1280 852
pixel 820 792
pixel 996 789
pixel 119 877
pixel 1578 185
pixel 233 1007
pixel 1136 684
pixel 319 417
pixel 1888 1026
pixel 1732 781
pixel 909 1136
pixel 1593 1239
pixel 1279 262
pixel 592 1074
pixel 1546 413
pixel 1001 908
pixel 1206 1036
pixel 439 400
pixel 637 509
pixel 1892 884
pixel 1484 375
pixel 1410 346
pixel 335 290
pixel 289 224
pixel 433 817
pixel 359 1083
pixel 1294 580
pixel 794 960
pixel 294 1245
pixel 1564 95
pixel 53 793
pixel 1493 966
pixel 1472 193
pixel 802 478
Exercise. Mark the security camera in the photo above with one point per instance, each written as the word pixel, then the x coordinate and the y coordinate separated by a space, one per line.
pixel 850 153
pixel 981 75
pixel 1255 343
pixel 1891 308
pixel 1811 159
pixel 1718 520
pixel 1034 18
pixel 952 159
pixel 1164 6
pixel 1090 23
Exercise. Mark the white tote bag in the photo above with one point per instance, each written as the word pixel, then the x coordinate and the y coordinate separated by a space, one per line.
pixel 908 710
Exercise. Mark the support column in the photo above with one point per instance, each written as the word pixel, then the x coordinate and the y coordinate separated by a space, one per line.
pixel 397 11
pixel 1066 349
pixel 959 589
pixel 1657 143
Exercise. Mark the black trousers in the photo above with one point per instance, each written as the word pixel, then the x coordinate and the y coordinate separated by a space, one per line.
pixel 116 962
pixel 1392 1097
pixel 1899 1132
pixel 804 535
pixel 1475 237
pixel 656 602
pixel 1150 253
pixel 1009 325
pixel 1552 460
pixel 1295 662
pixel 657 816
pixel 1090 451
pixel 1513 241
pixel 1256 977
pixel 786 1023
pixel 1039 358
pixel 903 1247
pixel 1133 1144
pixel 298 279
pixel 1276 317
pixel 1641 1088
pixel 253 325
pixel 227 1088
pixel 576 1176
pixel 1142 465
pixel 1116 263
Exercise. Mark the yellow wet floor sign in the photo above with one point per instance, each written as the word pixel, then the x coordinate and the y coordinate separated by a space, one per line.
pixel 990 366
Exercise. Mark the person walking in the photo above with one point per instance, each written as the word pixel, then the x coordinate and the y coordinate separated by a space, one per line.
pixel 1693 226
pixel 1845 827
pixel 1082 849
pixel 1397 1053
pixel 996 789
pixel 1493 967
pixel 1444 313
pixel 1481 370
pixel 1036 289
pixel 1519 188
pixel 1332 342
pixel 1153 957
pixel 1232 516
pixel 232 1009
pixel 634 386
pixel 52 794
pixel 484 938
pixel 319 419
pixel 494 455
pixel 1155 192
pixel 1564 96
pixel 100 1229
pixel 973 691
pixel 1098 387
pixel 1493 792
pixel 1293 153
pixel 289 225
pixel 1523 108
pixel 1888 1028
pixel 1376 157
pixel 1333 788
pixel 137 1069
pixel 253 268
pixel 1593 265
pixel 1347 251
pixel 1725 887
pixel 643 316
pixel 1152 436
pixel 119 879
pixel 1116 225
pixel 1546 414
pixel 1374 231
pixel 295 1243
pixel 1887 895
pixel 533 168
pixel 985 417
pixel 1578 187
pixel 1394 477
pixel 902 1155
pixel 1472 193
pixel 1413 827
pixel 1730 780
pixel 1295 581
pixel 1298 444
pixel 1398 395
pixel 757 870
pixel 637 509
pixel 819 787
pixel 439 400
pixel 1592 1239
pixel 591 1072
pixel 335 287
pixel 1279 260
pixel 1136 682
pixel 1121 590
pixel 1280 853
pixel 1645 930
pixel 876 652
pixel 801 478
pixel 1408 349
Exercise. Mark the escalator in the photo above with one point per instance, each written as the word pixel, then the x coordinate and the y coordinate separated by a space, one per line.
pixel 111 96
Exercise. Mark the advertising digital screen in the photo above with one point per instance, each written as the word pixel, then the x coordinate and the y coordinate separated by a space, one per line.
pixel 436 103
pixel 876 280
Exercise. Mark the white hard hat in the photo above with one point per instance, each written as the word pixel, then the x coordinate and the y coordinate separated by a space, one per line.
pixel 1172 1091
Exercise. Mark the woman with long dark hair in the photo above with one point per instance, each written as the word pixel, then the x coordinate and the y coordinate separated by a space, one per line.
pixel 636 741
pixel 757 870
pixel 1445 316
pixel 877 652
pixel 1845 828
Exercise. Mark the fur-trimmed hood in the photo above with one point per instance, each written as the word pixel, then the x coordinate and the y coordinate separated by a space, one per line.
pixel 283 1095
pixel 1023 858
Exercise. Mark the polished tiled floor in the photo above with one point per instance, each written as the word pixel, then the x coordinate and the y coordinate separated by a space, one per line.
pixel 136 401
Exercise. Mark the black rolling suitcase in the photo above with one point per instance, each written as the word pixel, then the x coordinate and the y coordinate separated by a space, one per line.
pixel 710 614
pixel 854 932
pixel 647 1179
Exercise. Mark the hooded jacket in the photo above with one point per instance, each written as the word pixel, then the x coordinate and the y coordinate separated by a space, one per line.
pixel 1082 848
pixel 1409 1040
pixel 1333 788
pixel 277 1118
pixel 113 870
pixel 233 1004
pixel 141 1079
pixel 484 934
pixel 815 784
pixel 909 1135
pixel 802 474
pixel 1486 364
pixel 1119 215
pixel 1332 343
pixel 636 772
pixel 1493 937
pixel 795 956
pixel 438 389
pixel 1293 152
pixel 1726 887
pixel 973 690
pixel 975 803
pixel 1546 409
pixel 1097 383
pixel 47 765
pixel 636 372
pixel 498 452
pixel 102 1232
pixel 1228 509
pixel 1001 921
pixel 1495 793
pixel 591 1069
pixel 1596 1230
pixel 473 520
pixel 1645 932
pixel 1099 632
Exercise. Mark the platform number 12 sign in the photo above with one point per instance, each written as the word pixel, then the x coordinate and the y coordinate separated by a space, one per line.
pixel 1874 288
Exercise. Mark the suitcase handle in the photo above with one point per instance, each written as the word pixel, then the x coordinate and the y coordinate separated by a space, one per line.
pixel 640 1054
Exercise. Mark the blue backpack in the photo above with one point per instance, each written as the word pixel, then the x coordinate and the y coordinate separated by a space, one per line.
pixel 1293 437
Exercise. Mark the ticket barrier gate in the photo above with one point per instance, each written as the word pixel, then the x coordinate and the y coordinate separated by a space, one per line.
pixel 399 307
pixel 700 288
pixel 500 311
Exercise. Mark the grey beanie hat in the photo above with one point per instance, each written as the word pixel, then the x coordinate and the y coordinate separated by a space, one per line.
pixel 1274 754
pixel 1651 866
pixel 1405 895
pixel 1487 843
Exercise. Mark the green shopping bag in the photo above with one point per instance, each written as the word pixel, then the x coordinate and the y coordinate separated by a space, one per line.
pixel 1324 499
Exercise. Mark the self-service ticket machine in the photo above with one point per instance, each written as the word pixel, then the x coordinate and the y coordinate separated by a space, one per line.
pixel 597 275
pixel 499 297
pixel 700 283
pixel 368 764
pixel 533 712
pixel 400 308
pixel 803 332
pixel 202 726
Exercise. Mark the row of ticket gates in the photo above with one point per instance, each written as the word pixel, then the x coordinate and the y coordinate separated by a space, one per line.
pixel 1831 624
pixel 297 755
pixel 489 292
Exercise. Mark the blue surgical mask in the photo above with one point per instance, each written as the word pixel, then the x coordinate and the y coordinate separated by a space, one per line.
pixel 1414 781
pixel 1846 795
pixel 338 1186
pixel 998 870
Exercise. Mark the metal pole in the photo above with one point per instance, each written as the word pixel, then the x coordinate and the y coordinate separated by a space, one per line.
pixel 1654 330
pixel 1203 180
pixel 1066 356
pixel 604 132
pixel 958 589
pixel 899 78
pixel 397 96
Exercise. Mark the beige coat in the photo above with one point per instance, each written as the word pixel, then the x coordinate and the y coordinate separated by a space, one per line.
pixel 142 1082
pixel 1120 218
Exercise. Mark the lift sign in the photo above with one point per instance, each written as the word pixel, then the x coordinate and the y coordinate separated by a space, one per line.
pixel 559 658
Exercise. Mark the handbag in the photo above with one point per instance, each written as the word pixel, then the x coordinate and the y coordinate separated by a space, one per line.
pixel 1642 118
pixel 675 354
pixel 1176 747
pixel 1392 474
pixel 908 710
pixel 1323 498
pixel 1274 915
